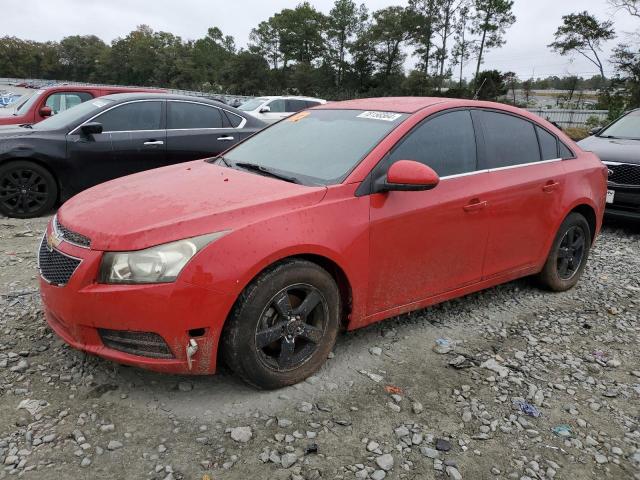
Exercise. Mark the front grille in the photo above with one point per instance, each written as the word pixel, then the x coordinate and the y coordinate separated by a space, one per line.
pixel 624 174
pixel 69 235
pixel 55 267
pixel 145 344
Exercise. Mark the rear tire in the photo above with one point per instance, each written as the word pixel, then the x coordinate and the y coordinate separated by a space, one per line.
pixel 283 326
pixel 27 190
pixel 568 256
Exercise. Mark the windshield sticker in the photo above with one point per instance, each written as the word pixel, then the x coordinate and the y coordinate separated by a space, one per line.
pixel 386 116
pixel 298 116
pixel 99 103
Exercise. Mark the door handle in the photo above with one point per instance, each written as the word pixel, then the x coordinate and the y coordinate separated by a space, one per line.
pixel 550 186
pixel 475 205
pixel 154 142
pixel 226 139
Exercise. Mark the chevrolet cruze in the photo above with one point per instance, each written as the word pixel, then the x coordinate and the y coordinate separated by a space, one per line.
pixel 331 219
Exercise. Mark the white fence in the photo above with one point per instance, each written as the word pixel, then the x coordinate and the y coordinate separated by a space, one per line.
pixel 570 118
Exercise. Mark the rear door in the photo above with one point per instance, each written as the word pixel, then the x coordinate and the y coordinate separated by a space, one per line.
pixel 430 242
pixel 198 130
pixel 528 181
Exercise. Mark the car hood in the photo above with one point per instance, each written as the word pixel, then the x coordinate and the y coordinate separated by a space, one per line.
pixel 180 201
pixel 613 149
pixel 13 131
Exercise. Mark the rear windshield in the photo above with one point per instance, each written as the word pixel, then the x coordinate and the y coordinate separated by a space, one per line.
pixel 317 146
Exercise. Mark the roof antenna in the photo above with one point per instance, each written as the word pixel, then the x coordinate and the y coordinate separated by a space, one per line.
pixel 475 97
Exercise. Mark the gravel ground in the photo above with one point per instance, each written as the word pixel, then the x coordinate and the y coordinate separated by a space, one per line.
pixel 510 383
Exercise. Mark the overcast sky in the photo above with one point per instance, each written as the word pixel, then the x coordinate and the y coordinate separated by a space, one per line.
pixel 525 51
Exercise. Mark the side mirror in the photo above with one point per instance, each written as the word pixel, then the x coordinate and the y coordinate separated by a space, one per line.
pixel 595 131
pixel 91 128
pixel 265 109
pixel 45 112
pixel 408 175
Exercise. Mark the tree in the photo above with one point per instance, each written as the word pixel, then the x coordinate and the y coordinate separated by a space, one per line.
pixel 511 81
pixel 246 73
pixel 265 40
pixel 422 19
pixel 490 85
pixel 343 23
pixel 462 46
pixel 80 57
pixel 584 34
pixel 388 32
pixel 631 6
pixel 300 33
pixel 627 65
pixel 490 21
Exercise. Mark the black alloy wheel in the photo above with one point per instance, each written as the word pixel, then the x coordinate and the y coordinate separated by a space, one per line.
pixel 26 190
pixel 291 327
pixel 568 255
pixel 283 325
pixel 571 252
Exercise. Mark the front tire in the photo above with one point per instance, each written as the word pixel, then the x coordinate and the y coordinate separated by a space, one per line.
pixel 27 190
pixel 568 256
pixel 283 326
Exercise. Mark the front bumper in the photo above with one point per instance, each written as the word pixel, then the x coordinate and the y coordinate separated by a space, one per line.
pixel 176 311
pixel 626 202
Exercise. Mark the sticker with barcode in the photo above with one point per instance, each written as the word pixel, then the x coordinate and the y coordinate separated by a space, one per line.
pixel 386 116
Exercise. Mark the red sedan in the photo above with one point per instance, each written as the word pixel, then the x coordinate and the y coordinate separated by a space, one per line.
pixel 337 217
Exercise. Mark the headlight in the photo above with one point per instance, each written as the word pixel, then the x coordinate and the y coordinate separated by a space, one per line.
pixel 159 264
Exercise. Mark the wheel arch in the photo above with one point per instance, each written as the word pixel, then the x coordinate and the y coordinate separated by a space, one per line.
pixel 41 163
pixel 589 213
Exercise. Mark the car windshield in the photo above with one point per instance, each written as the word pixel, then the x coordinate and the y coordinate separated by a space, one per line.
pixel 26 105
pixel 625 127
pixel 69 117
pixel 318 147
pixel 252 104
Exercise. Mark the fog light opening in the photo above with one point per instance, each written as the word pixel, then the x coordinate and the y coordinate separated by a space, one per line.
pixel 197 332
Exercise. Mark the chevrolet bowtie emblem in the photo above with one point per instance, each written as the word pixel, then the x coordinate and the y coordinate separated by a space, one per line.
pixel 53 241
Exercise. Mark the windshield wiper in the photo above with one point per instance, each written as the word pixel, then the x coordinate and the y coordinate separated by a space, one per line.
pixel 254 167
pixel 26 125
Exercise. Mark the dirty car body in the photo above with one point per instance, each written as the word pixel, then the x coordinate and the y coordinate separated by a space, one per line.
pixel 458 225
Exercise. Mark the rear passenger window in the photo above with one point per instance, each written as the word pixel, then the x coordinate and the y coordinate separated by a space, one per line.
pixel 509 140
pixel 446 143
pixel 311 103
pixel 183 115
pixel 548 144
pixel 234 120
pixel 565 152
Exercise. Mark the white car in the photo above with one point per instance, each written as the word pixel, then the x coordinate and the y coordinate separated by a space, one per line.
pixel 272 109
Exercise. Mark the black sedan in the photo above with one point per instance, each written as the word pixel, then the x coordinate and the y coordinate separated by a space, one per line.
pixel 618 146
pixel 112 136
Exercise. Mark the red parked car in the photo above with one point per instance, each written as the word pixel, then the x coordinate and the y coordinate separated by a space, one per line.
pixel 49 101
pixel 336 217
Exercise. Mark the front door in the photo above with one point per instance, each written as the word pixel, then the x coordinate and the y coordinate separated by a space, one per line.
pixel 430 242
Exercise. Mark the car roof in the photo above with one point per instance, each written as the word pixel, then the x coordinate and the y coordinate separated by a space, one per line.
pixel 93 88
pixel 295 97
pixel 389 104
pixel 118 97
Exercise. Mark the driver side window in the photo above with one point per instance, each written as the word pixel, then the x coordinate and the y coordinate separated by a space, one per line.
pixel 277 106
pixel 446 143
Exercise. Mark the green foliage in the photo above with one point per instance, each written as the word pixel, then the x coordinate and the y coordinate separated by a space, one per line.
pixel 490 85
pixel 583 33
